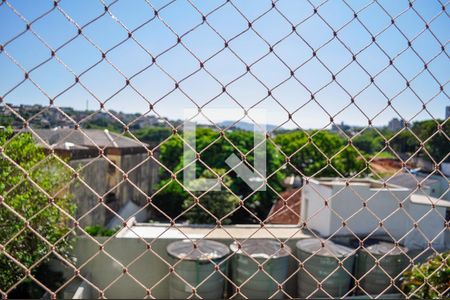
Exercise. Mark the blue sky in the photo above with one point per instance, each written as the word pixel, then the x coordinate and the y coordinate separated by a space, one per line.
pixel 246 46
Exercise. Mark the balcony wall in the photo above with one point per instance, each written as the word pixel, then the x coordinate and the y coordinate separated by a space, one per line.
pixel 148 268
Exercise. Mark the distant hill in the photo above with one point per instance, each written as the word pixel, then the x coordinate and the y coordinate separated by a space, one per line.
pixel 245 126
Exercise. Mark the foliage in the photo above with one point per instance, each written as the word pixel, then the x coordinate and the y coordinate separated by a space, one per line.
pixel 218 203
pixel 307 158
pixel 97 230
pixel 30 290
pixel 407 141
pixel 437 145
pixel 369 141
pixel 170 199
pixel 28 201
pixel 386 154
pixel 103 123
pixel 215 149
pixel 436 141
pixel 437 272
pixel 153 135
pixel 6 120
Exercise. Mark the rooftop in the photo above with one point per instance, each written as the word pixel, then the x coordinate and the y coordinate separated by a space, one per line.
pixel 410 181
pixel 182 231
pixel 289 214
pixel 427 200
pixel 370 183
pixel 62 138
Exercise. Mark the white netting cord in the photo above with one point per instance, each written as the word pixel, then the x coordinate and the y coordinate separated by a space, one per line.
pixel 75 175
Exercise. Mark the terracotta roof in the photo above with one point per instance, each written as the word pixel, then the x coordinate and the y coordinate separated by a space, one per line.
pixel 289 214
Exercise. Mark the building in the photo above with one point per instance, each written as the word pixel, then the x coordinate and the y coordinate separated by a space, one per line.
pixel 395 124
pixel 340 127
pixel 286 209
pixel 445 169
pixel 447 112
pixel 433 185
pixel 124 173
pixel 331 207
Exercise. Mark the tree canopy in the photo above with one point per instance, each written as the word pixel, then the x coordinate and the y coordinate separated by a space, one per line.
pixel 434 134
pixel 214 149
pixel 309 154
pixel 213 205
pixel 27 210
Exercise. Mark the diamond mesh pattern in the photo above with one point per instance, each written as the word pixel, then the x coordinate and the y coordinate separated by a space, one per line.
pixel 335 61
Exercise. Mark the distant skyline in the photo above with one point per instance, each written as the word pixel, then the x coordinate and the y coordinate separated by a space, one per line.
pixel 290 50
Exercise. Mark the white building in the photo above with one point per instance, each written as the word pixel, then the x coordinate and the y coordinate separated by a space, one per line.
pixel 330 207
pixel 434 185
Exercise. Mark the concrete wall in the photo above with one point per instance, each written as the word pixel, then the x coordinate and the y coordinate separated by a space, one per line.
pixel 430 227
pixel 313 210
pixel 383 205
pixel 346 204
pixel 145 266
pixel 441 190
pixel 152 269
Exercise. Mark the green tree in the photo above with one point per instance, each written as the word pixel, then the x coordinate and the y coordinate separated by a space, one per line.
pixel 103 123
pixel 217 203
pixel 6 120
pixel 404 143
pixel 214 149
pixel 169 200
pixel 429 280
pixel 436 141
pixel 153 135
pixel 433 133
pixel 39 216
pixel 309 155
pixel 369 141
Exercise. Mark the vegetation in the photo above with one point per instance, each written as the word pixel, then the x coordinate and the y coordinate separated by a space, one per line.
pixel 436 271
pixel 97 230
pixel 218 203
pixel 306 157
pixel 169 201
pixel 407 142
pixel 386 154
pixel 103 123
pixel 370 141
pixel 6 120
pixel 153 135
pixel 436 141
pixel 21 197
pixel 215 149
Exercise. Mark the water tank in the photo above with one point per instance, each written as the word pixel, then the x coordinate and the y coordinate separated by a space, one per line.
pixel 194 265
pixel 391 259
pixel 246 261
pixel 320 259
